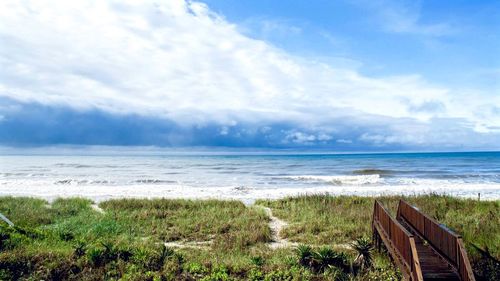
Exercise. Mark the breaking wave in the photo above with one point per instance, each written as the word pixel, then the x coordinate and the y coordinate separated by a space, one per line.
pixel 108 182
pixel 81 182
pixel 340 180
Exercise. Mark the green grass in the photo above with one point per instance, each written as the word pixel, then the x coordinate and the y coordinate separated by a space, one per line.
pixel 70 240
pixel 322 219
pixel 171 220
pixel 51 233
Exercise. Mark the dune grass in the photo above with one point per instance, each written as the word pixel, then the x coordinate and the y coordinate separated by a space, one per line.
pixel 319 219
pixel 70 240
pixel 323 219
pixel 52 233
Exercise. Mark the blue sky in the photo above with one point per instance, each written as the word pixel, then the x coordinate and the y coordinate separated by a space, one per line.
pixel 352 75
pixel 432 38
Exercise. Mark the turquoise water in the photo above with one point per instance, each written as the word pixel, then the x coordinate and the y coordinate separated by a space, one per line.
pixel 248 176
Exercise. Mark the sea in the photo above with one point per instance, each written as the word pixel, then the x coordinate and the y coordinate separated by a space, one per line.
pixel 247 176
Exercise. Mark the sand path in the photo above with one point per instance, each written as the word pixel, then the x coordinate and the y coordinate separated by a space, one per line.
pixel 189 244
pixel 96 208
pixel 276 225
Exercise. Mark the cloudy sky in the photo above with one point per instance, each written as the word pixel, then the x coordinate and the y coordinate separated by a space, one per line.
pixel 346 75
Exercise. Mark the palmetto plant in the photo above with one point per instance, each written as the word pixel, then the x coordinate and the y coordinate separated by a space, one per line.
pixel 327 257
pixel 165 253
pixel 364 247
pixel 257 261
pixel 80 248
pixel 322 259
pixel 305 255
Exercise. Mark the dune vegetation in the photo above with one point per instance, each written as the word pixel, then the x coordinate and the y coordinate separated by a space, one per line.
pixel 320 219
pixel 165 239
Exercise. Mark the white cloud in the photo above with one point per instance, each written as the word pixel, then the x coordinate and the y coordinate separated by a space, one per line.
pixel 181 61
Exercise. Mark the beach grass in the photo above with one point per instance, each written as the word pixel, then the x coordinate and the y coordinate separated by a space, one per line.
pixel 322 219
pixel 125 239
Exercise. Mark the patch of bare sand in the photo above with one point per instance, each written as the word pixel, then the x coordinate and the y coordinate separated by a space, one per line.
pixel 276 225
pixel 205 245
pixel 96 208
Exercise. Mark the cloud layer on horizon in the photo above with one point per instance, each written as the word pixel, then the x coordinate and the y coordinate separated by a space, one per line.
pixel 178 74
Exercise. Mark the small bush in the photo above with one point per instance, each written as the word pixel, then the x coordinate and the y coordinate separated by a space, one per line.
pixel 96 256
pixel 363 247
pixel 257 261
pixel 326 258
pixel 10 238
pixel 305 255
pixel 196 270
pixel 66 236
pixel 79 249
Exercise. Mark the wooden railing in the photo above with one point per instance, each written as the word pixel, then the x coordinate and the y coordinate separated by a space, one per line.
pixel 447 243
pixel 464 267
pixel 400 242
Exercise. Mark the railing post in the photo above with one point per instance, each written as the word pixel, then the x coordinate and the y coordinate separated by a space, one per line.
pixel 463 262
pixel 398 212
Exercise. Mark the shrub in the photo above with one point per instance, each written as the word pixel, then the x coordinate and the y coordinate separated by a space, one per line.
pixel 364 248
pixel 66 236
pixel 79 249
pixel 305 255
pixel 257 261
pixel 143 257
pixel 326 257
pixel 10 238
pixel 319 261
pixel 196 269
pixel 96 257
pixel 165 253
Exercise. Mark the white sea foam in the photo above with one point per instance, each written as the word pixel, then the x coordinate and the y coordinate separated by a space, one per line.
pixel 245 193
pixel 340 180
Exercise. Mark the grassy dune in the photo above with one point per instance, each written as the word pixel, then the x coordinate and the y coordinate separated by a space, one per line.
pixel 220 240
pixel 325 219
pixel 321 219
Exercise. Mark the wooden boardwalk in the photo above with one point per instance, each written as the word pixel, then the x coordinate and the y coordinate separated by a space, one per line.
pixel 422 248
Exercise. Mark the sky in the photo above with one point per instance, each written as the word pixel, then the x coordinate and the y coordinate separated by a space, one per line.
pixel 346 75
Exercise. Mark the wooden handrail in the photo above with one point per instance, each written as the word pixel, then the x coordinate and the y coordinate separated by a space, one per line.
pixel 416 269
pixel 442 239
pixel 399 239
pixel 464 267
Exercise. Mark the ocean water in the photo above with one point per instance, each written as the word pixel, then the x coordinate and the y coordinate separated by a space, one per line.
pixel 249 176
